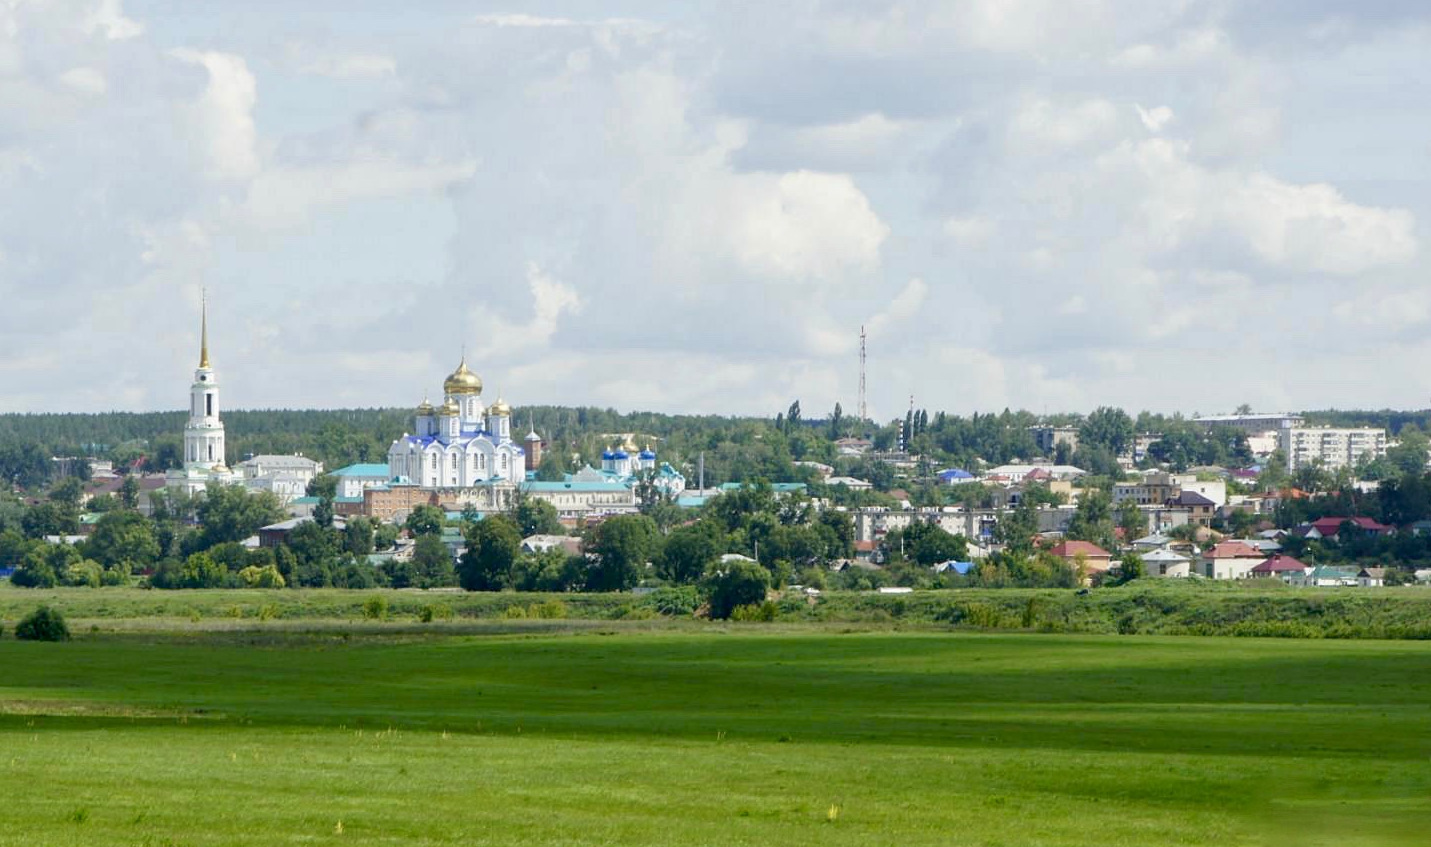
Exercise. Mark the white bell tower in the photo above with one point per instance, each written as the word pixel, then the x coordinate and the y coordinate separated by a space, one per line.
pixel 204 434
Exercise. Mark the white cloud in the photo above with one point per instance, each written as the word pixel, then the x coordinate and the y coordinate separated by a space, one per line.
pixel 1299 227
pixel 551 299
pixel 803 226
pixel 285 196
pixel 351 66
pixel 223 115
pixel 1041 124
pixel 902 308
pixel 1154 119
pixel 970 232
pixel 107 17
pixel 85 80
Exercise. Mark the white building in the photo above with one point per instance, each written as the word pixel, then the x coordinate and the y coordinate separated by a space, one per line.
pixel 1332 448
pixel 286 477
pixel 460 444
pixel 204 460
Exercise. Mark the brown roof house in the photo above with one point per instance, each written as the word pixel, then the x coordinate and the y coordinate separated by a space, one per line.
pixel 1231 560
pixel 1093 558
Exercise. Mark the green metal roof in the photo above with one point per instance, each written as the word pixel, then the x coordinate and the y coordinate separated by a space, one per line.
pixel 368 469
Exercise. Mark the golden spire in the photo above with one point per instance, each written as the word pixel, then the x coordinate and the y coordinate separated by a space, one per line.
pixel 204 330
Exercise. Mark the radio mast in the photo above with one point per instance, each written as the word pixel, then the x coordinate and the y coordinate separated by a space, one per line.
pixel 864 413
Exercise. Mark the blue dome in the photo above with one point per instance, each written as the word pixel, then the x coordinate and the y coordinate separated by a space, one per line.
pixel 608 455
pixel 620 454
pixel 647 454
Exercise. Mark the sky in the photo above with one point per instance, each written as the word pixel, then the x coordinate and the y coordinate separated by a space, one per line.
pixel 695 207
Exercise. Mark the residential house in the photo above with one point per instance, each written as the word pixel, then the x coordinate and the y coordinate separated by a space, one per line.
pixel 1200 509
pixel 1163 562
pixel 1324 576
pixel 1331 527
pixel 1280 567
pixel 1371 577
pixel 1090 555
pixel 849 482
pixel 1230 560
pixel 354 478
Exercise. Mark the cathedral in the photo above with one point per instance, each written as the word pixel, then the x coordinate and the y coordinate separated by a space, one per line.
pixel 460 444
pixel 204 460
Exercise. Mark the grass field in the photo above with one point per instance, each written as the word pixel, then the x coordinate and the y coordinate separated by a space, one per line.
pixel 712 735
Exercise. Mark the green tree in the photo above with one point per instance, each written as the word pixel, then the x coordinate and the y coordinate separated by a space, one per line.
pixel 123 537
pixel 231 513
pixel 1409 455
pixel 358 536
pixel 432 562
pixel 129 492
pixel 734 583
pixel 1093 519
pixel 385 536
pixel 493 546
pixel 689 550
pixel 425 520
pixel 535 516
pixel 1109 428
pixel 1130 569
pixel 1016 528
pixel 1132 520
pixel 619 549
pixel 927 544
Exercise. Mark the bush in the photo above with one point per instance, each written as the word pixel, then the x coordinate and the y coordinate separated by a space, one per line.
pixel 429 613
pixel 549 610
pixel 43 624
pixel 750 612
pixel 514 612
pixel 674 602
pixel 375 608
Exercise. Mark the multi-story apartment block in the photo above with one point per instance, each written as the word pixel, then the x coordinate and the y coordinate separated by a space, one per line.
pixel 1333 448
pixel 1251 424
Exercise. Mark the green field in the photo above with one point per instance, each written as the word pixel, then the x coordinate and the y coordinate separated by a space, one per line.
pixel 703 734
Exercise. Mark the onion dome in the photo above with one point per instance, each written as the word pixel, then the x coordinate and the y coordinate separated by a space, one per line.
pixel 424 409
pixel 449 409
pixel 500 408
pixel 648 454
pixel 462 381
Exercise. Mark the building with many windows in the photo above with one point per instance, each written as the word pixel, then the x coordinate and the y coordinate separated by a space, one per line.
pixel 1329 447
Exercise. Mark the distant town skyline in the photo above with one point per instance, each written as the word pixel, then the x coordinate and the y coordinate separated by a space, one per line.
pixel 1041 204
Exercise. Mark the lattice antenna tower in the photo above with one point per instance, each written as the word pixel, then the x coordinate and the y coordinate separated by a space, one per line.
pixel 864 413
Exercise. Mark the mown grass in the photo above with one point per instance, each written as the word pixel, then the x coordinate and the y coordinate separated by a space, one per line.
pixel 712 735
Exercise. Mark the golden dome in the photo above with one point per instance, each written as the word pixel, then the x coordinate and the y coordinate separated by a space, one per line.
pixel 424 409
pixel 463 381
pixel 500 408
pixel 449 408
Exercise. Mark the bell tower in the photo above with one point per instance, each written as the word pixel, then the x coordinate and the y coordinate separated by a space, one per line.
pixel 204 433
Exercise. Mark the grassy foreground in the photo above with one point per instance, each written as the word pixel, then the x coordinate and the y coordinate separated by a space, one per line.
pixel 718 735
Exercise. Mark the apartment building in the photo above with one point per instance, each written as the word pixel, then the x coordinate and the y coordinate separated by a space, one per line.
pixel 1332 448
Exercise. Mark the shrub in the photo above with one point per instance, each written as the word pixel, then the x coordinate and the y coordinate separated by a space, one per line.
pixel 43 624
pixel 430 613
pixel 268 611
pixel 675 602
pixel 375 608
pixel 750 612
pixel 549 610
pixel 514 612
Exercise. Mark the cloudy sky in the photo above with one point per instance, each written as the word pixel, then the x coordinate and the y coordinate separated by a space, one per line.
pixel 1048 204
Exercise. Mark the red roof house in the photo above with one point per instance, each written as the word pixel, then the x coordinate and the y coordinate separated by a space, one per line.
pixel 1279 565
